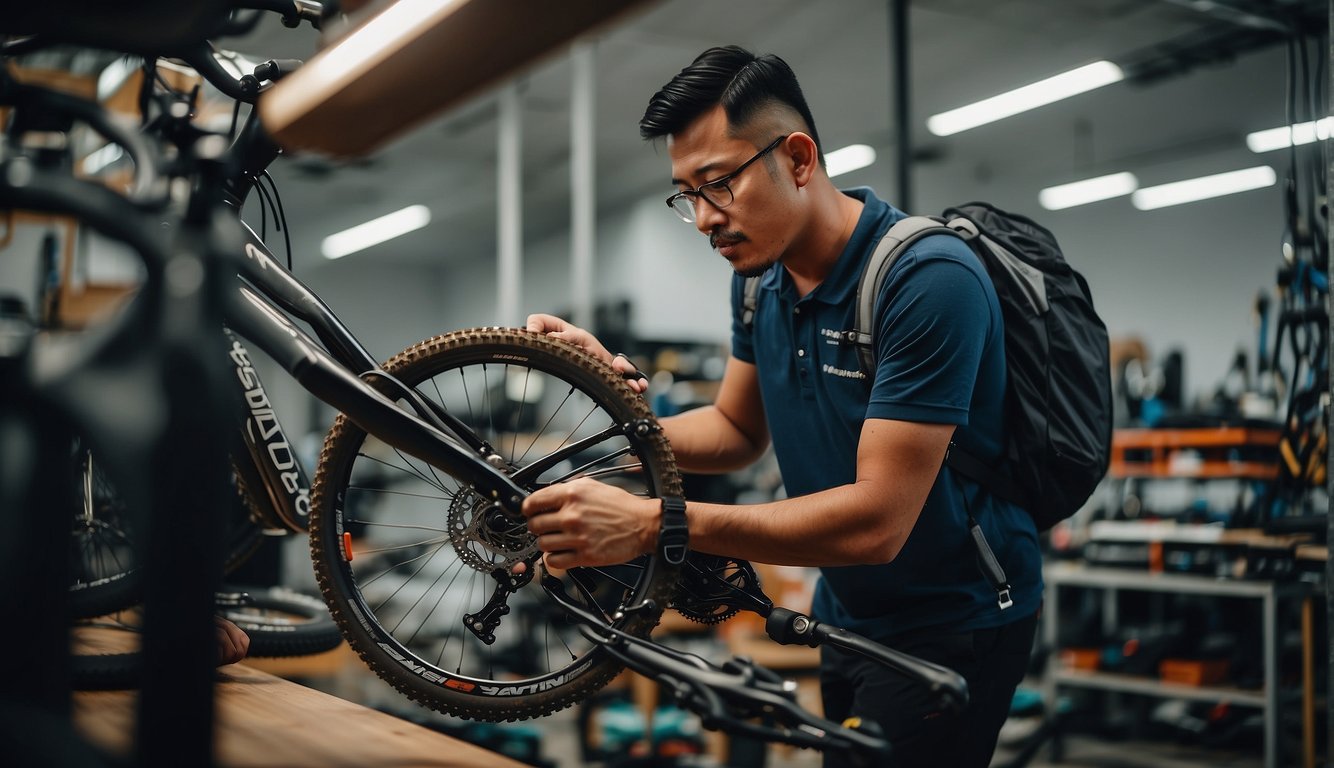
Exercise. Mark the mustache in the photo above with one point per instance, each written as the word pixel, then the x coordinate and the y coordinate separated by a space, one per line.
pixel 727 237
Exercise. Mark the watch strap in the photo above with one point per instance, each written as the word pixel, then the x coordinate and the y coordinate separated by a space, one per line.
pixel 674 538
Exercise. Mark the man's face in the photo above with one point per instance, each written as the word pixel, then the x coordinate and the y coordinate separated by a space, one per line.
pixel 755 229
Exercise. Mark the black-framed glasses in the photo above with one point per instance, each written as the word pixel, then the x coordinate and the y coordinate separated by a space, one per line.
pixel 717 192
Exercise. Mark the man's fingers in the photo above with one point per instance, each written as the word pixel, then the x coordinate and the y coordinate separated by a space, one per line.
pixel 557 563
pixel 540 323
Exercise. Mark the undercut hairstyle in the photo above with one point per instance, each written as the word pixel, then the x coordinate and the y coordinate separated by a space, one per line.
pixel 744 84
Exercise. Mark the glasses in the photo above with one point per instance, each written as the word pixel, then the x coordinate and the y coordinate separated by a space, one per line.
pixel 717 192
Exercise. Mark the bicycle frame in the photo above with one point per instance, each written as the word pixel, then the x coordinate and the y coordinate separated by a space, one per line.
pixel 256 311
pixel 273 466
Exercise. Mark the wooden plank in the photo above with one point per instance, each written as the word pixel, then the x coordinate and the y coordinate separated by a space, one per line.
pixel 263 721
pixel 413 59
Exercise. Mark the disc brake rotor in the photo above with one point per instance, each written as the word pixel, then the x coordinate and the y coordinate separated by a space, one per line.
pixel 484 537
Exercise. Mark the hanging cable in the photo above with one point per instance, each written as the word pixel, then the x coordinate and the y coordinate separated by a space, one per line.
pixel 281 217
pixel 236 115
pixel 264 195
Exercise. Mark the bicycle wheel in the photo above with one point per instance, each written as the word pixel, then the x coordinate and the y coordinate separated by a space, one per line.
pixel 405 552
pixel 279 622
pixel 282 622
pixel 104 565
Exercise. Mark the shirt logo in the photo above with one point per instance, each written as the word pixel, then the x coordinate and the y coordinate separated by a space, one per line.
pixel 842 372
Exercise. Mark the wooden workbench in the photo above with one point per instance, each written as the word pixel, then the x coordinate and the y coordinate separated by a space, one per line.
pixel 265 721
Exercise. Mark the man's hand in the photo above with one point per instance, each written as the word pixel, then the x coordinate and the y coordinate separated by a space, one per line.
pixel 233 643
pixel 588 523
pixel 557 328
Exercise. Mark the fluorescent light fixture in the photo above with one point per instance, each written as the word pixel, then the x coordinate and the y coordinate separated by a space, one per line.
pixel 375 231
pixel 1055 88
pixel 850 158
pixel 1087 191
pixel 1203 188
pixel 1286 136
pixel 96 161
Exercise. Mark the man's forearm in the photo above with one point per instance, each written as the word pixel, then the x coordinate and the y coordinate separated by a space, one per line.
pixel 849 525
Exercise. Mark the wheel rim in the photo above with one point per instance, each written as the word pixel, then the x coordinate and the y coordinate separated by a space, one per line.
pixel 424 546
pixel 101 552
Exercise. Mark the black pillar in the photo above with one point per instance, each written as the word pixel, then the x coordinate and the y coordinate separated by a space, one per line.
pixel 1329 482
pixel 899 76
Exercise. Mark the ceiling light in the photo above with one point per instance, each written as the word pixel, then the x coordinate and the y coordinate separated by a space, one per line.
pixel 1286 136
pixel 1061 86
pixel 375 231
pixel 1203 188
pixel 850 158
pixel 1087 191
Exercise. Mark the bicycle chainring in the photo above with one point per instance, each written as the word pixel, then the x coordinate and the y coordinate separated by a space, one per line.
pixel 713 589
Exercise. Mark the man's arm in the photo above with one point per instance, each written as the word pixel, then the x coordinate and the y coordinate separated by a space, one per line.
pixel 868 521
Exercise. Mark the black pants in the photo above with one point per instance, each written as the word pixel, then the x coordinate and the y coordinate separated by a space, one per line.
pixel 993 662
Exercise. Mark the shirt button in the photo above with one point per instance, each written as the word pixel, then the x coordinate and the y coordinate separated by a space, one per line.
pixel 801 353
pixel 796 310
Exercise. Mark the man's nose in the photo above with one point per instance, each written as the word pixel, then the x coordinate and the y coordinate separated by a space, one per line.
pixel 707 216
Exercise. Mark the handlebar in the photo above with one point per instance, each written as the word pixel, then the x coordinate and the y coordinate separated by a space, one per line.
pixel 787 627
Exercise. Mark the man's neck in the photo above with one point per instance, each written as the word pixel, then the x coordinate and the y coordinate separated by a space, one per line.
pixel 813 255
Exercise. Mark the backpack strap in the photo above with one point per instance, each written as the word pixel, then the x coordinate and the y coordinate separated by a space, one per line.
pixel 996 481
pixel 900 237
pixel 749 301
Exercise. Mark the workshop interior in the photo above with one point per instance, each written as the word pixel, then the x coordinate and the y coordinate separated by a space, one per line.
pixel 265 272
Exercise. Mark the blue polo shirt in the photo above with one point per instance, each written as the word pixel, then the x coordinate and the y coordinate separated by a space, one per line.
pixel 940 359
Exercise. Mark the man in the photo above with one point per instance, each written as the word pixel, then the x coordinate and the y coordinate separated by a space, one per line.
pixel 861 458
pixel 233 642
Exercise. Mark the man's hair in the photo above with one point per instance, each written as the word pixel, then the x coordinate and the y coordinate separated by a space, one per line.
pixel 743 83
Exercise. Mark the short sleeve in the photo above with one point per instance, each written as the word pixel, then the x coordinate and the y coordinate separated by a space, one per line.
pixel 933 321
pixel 743 343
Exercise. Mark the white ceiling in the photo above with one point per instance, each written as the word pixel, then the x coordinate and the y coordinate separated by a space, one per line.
pixel 961 50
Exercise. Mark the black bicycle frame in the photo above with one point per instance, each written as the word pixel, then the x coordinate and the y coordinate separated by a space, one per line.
pixel 274 475
pixel 256 312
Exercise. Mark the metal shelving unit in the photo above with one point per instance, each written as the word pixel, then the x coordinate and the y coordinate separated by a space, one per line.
pixel 1112 581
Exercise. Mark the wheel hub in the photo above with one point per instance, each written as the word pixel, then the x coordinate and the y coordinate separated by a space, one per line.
pixel 484 537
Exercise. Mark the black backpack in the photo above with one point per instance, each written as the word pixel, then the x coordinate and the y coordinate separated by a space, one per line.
pixel 1058 400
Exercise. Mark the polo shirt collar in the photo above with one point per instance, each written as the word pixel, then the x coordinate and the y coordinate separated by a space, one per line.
pixel 842 281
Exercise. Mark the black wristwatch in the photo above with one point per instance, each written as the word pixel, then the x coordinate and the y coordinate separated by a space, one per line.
pixel 674 539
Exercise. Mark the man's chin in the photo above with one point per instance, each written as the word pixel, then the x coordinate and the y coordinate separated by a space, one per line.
pixel 752 271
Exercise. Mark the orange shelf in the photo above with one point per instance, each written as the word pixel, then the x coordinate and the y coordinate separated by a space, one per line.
pixel 1205 453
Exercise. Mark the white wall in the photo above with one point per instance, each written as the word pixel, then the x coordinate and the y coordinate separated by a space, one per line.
pixel 1183 277
pixel 644 254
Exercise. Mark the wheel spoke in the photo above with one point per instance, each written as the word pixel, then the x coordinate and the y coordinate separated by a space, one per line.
pixel 431 539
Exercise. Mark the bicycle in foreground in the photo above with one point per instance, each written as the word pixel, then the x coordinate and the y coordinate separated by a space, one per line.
pixel 414 517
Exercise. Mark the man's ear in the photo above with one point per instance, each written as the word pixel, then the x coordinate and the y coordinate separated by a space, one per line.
pixel 805 157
